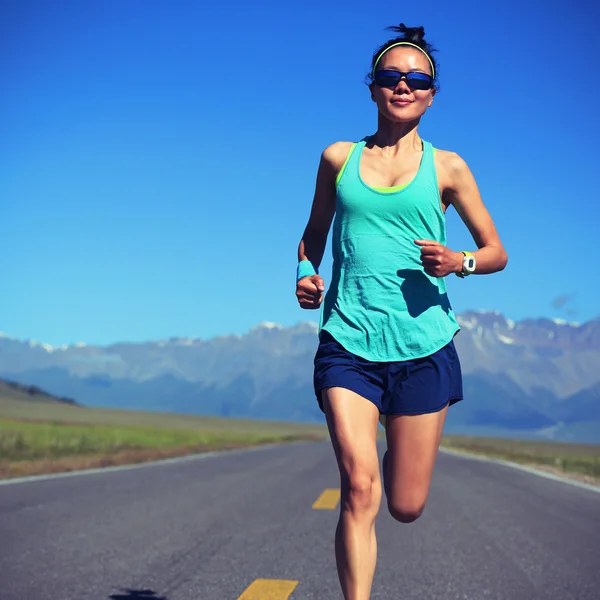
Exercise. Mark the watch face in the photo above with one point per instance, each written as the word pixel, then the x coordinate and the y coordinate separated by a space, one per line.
pixel 469 263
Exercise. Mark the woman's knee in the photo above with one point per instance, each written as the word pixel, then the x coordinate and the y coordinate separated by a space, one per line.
pixel 405 512
pixel 361 492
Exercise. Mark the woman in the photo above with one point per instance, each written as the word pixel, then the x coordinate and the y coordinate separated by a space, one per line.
pixel 386 337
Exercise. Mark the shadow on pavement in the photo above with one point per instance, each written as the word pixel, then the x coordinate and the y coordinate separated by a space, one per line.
pixel 127 594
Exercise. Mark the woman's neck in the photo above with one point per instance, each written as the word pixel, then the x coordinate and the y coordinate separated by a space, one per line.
pixel 397 137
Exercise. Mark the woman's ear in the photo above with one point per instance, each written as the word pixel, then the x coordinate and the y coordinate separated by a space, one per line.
pixel 371 90
pixel 433 92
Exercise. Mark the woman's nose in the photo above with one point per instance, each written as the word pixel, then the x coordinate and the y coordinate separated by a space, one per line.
pixel 402 86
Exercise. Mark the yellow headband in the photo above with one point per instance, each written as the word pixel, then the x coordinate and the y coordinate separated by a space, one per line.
pixel 405 44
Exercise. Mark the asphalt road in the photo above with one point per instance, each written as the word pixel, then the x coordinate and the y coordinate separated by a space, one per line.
pixel 205 529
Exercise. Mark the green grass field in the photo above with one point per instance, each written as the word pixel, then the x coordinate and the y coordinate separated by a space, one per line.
pixel 39 435
pixel 42 436
pixel 22 440
pixel 583 459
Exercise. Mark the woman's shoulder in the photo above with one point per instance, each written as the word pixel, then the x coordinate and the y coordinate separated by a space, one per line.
pixel 448 159
pixel 452 169
pixel 335 154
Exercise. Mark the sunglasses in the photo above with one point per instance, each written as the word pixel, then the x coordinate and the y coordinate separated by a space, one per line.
pixel 414 79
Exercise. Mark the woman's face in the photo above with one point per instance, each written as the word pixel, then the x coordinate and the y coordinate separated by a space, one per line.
pixel 401 104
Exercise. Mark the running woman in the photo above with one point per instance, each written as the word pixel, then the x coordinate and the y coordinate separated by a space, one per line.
pixel 386 347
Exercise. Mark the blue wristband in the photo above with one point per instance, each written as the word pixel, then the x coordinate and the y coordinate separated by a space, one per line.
pixel 305 269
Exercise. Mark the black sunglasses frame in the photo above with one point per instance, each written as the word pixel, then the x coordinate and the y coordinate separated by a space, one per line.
pixel 425 81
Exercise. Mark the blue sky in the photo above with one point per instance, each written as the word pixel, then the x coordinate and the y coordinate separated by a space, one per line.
pixel 158 159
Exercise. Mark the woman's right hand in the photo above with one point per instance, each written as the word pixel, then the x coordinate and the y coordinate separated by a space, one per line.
pixel 309 291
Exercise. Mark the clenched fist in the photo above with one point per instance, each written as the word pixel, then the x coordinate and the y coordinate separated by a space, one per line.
pixel 309 291
pixel 438 260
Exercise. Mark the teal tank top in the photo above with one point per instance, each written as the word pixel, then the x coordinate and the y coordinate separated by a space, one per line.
pixel 381 305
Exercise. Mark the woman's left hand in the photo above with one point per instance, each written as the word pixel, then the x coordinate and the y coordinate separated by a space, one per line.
pixel 438 260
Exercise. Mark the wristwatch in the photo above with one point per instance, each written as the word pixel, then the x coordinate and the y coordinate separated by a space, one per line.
pixel 469 263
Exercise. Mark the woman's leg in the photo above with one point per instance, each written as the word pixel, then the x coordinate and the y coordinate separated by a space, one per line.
pixel 413 442
pixel 352 422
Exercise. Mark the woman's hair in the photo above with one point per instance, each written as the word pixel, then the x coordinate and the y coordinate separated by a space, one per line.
pixel 414 35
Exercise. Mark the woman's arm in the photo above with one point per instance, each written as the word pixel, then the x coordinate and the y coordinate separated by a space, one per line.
pixel 460 190
pixel 312 245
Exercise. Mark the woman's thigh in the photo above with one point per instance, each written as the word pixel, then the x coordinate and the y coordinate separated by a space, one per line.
pixel 413 442
pixel 352 421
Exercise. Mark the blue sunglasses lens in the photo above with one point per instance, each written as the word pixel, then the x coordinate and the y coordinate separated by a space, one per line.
pixel 416 81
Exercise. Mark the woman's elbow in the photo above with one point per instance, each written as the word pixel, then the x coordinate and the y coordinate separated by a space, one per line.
pixel 502 260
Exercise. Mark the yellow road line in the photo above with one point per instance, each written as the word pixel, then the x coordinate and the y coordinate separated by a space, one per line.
pixel 328 500
pixel 269 589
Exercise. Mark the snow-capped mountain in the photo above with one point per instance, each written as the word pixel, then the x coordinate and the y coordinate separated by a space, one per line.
pixel 535 374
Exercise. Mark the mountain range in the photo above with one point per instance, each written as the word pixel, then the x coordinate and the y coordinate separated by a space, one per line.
pixel 531 378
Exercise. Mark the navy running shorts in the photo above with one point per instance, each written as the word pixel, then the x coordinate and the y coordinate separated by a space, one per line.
pixel 410 387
